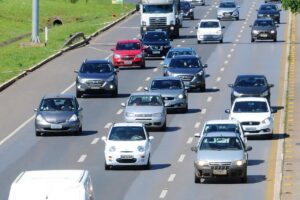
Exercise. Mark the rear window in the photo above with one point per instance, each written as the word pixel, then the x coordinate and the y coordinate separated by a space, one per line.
pixel 128 46
pixel 127 134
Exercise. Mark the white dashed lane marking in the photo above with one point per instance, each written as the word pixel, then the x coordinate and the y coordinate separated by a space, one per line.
pixel 222 69
pixel 209 99
pixel 95 140
pixel 229 55
pixel 237 40
pixel 82 158
pixel 190 140
pixel 241 31
pixel 148 78
pixel 163 194
pixel 231 50
pixel 197 125
pixel 191 31
pixel 119 111
pixel 234 45
pixel 155 70
pixel 139 88
pixel 226 62
pixel 178 45
pixel 183 41
pixel 171 177
pixel 181 158
pixel 108 125
pixel 203 111
pixel 215 87
pixel 239 36
pixel 218 79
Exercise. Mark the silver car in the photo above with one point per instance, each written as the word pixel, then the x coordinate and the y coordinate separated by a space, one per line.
pixel 177 51
pixel 221 154
pixel 58 114
pixel 228 10
pixel 147 108
pixel 173 92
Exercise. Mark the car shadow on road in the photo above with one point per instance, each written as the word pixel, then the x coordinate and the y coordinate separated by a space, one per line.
pixel 220 180
pixel 188 37
pixel 256 179
pixel 276 136
pixel 209 90
pixel 84 133
pixel 255 162
pixel 140 168
pixel 159 166
pixel 94 96
pixel 135 68
pixel 88 132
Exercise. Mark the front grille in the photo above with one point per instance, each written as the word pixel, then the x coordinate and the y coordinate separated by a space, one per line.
pixel 227 13
pixel 95 83
pixel 220 165
pixel 186 77
pixel 120 160
pixel 156 48
pixel 126 151
pixel 158 21
pixel 128 57
pixel 143 115
pixel 250 123
pixel 168 98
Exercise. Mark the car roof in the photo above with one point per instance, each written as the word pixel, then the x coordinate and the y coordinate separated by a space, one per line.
pixel 145 93
pixel 222 121
pixel 97 61
pixel 218 134
pixel 122 124
pixel 128 41
pixel 49 96
pixel 181 49
pixel 244 99
pixel 185 56
pixel 209 20
pixel 166 78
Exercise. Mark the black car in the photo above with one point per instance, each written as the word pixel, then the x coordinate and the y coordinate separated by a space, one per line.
pixel 96 77
pixel 156 43
pixel 271 1
pixel 269 11
pixel 264 29
pixel 250 86
pixel 187 9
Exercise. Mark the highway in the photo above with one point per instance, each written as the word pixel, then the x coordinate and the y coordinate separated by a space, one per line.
pixel 172 172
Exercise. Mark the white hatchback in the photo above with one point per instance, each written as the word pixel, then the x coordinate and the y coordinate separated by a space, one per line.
pixel 254 114
pixel 209 30
pixel 127 144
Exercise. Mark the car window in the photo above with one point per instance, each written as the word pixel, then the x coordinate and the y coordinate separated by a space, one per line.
pixel 250 82
pixel 57 104
pixel 185 63
pixel 221 128
pixel 166 84
pixel 184 5
pixel 227 5
pixel 158 8
pixel 128 46
pixel 159 36
pixel 264 23
pixel 221 143
pixel 127 134
pixel 96 68
pixel 250 107
pixel 209 25
pixel 268 7
pixel 145 100
pixel 172 54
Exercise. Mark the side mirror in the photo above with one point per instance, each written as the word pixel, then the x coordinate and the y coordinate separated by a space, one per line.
pixel 103 138
pixel 123 104
pixel 273 110
pixel 80 109
pixel 227 111
pixel 238 6
pixel 165 66
pixel 217 6
pixel 250 26
pixel 163 57
pixel 196 27
pixel 271 85
pixel 248 148
pixel 137 7
pixel 230 85
pixel 279 10
pixel 151 137
pixel 205 66
pixel 116 70
pixel 146 88
pixel 76 71
pixel 112 49
pixel 223 27
pixel 35 110
pixel 197 135
pixel 194 149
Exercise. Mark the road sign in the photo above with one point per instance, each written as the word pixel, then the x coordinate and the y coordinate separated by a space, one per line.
pixel 117 1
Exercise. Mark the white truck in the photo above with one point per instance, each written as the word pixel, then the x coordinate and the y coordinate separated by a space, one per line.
pixel 52 185
pixel 161 15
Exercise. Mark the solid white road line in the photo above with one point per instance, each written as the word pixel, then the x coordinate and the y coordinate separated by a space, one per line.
pixel 218 79
pixel 197 125
pixel 148 79
pixel 171 177
pixel 108 125
pixel 163 194
pixel 139 88
pixel 190 140
pixel 119 111
pixel 95 140
pixel 209 99
pixel 181 158
pixel 68 88
pixel 82 158
pixel 203 111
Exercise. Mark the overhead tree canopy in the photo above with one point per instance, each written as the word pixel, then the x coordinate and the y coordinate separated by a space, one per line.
pixel 293 5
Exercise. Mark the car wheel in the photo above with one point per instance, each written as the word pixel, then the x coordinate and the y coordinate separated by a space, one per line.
pixel 203 88
pixel 275 40
pixel 185 110
pixel 148 165
pixel 199 41
pixel 252 40
pixel 37 133
pixel 237 18
pixel 115 92
pixel 164 127
pixel 221 41
pixel 79 132
pixel 106 167
pixel 192 18
pixel 78 94
pixel 143 66
pixel 244 178
pixel 197 179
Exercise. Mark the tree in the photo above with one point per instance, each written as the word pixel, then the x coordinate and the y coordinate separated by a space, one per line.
pixel 293 5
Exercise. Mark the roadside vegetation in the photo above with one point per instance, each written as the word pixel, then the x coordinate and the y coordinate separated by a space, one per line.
pixel 85 16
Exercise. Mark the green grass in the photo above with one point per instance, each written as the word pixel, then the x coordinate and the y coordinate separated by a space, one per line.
pixel 15 20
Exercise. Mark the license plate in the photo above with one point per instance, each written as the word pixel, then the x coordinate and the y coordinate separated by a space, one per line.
pixel 227 14
pixel 126 156
pixel 95 88
pixel 250 129
pixel 156 52
pixel 219 172
pixel 158 29
pixel 263 35
pixel 127 62
pixel 56 126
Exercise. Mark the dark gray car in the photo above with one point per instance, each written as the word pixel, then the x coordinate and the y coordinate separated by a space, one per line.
pixel 190 69
pixel 58 114
pixel 96 77
pixel 264 29
pixel 269 11
pixel 173 92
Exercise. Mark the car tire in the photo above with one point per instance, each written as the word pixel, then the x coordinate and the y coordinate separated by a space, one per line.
pixel 199 41
pixel 221 41
pixel 148 165
pixel 107 167
pixel 237 18
pixel 143 65
pixel 203 88
pixel 79 132
pixel 37 133
pixel 115 92
pixel 192 18
pixel 197 179
pixel 164 127
pixel 78 94
pixel 252 40
pixel 185 110
pixel 244 179
pixel 275 40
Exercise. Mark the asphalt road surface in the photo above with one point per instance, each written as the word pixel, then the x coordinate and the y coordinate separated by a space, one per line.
pixel 172 172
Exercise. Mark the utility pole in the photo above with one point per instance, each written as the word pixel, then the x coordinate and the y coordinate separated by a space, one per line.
pixel 35 22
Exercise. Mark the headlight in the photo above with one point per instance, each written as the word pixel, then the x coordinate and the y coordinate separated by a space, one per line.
pixel 219 32
pixel 235 12
pixel 40 118
pixel 239 162
pixel 73 118
pixel 81 80
pixel 255 32
pixel 200 73
pixel 265 93
pixel 117 56
pixel 266 121
pixel 157 114
pixel 169 73
pixel 172 22
pixel 191 10
pixel 236 94
pixel 112 149
pixel 128 114
pixel 180 96
pixel 260 15
pixel 111 78
pixel 202 163
pixel 144 23
pixel 167 46
pixel 140 148
pixel 272 31
pixel 139 55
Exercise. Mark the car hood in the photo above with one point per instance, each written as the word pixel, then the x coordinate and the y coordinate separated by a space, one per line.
pixel 209 30
pixel 270 12
pixel 220 156
pixel 159 43
pixel 56 116
pixel 184 70
pixel 169 92
pixel 263 28
pixel 242 117
pixel 250 90
pixel 125 145
pixel 95 75
pixel 144 109
pixel 221 10
pixel 128 52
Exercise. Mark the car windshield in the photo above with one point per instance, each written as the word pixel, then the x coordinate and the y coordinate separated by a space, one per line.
pixel 185 63
pixel 263 23
pixel 250 82
pixel 155 37
pixel 172 54
pixel 158 8
pixel 57 104
pixel 268 7
pixel 145 100
pixel 166 84
pixel 221 143
pixel 227 5
pixel 127 133
pixel 250 107
pixel 209 25
pixel 128 46
pixel 185 6
pixel 95 68
pixel 221 128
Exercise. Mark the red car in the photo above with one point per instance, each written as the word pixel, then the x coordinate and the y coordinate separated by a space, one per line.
pixel 128 53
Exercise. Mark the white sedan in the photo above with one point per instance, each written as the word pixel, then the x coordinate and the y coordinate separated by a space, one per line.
pixel 127 144
pixel 209 30
pixel 254 114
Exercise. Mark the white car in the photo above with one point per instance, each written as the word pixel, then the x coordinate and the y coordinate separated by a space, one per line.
pixel 209 30
pixel 222 125
pixel 254 114
pixel 196 2
pixel 127 144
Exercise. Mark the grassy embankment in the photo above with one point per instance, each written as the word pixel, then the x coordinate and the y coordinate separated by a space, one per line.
pixel 15 20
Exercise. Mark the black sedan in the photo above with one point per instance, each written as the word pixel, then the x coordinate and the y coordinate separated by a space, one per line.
pixel 264 29
pixel 250 86
pixel 156 43
pixel 269 11
pixel 187 9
